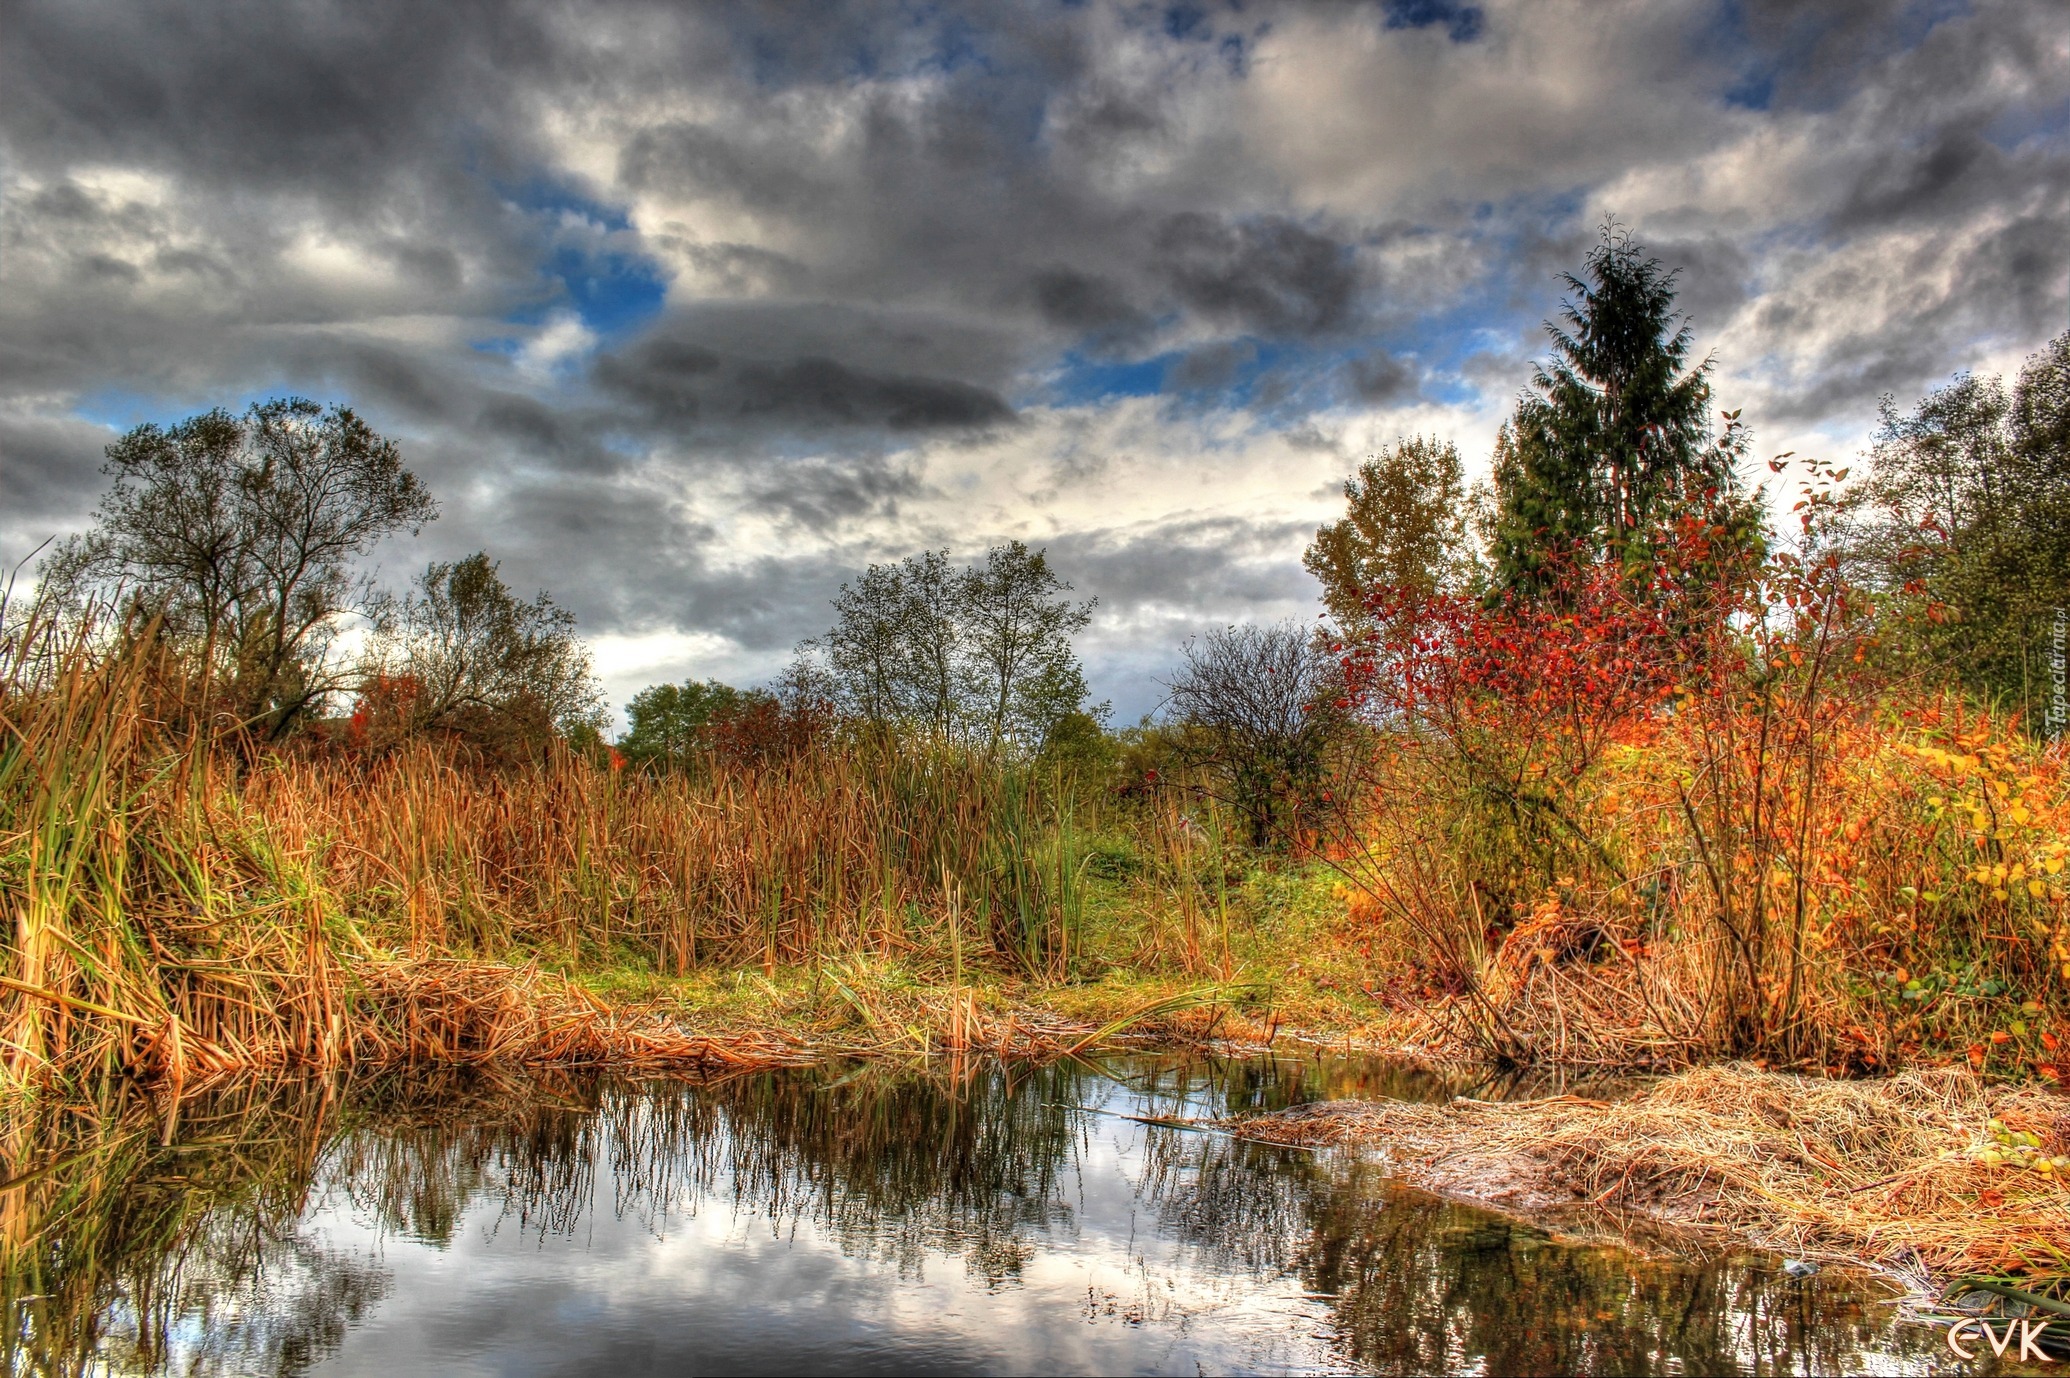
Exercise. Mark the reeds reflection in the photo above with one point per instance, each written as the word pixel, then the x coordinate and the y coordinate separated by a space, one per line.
pixel 976 1217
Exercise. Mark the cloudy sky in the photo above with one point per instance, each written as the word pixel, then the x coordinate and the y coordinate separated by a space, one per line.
pixel 688 312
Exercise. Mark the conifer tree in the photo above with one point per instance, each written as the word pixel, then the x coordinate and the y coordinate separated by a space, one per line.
pixel 1613 441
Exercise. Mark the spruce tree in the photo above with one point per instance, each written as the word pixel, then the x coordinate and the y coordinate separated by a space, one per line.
pixel 1613 441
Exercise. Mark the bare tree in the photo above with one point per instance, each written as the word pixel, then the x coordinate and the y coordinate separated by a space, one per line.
pixel 1256 703
pixel 243 534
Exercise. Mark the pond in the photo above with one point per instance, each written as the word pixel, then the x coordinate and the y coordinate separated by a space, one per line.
pixel 849 1219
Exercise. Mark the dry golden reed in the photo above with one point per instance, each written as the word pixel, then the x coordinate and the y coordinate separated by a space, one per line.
pixel 1896 1172
pixel 181 902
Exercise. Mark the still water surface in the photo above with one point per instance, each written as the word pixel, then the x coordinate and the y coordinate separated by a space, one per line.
pixel 862 1220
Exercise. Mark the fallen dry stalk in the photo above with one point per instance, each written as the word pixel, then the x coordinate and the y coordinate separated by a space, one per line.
pixel 438 1010
pixel 1873 1172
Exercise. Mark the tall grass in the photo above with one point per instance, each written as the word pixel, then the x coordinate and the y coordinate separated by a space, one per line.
pixel 177 905
pixel 830 852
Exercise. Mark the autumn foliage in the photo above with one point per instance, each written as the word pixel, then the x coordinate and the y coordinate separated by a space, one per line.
pixel 1646 819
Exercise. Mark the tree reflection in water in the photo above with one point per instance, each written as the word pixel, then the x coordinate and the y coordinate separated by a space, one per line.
pixel 125 1251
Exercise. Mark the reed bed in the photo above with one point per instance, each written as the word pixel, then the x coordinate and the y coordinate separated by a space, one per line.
pixel 458 1013
pixel 1899 1173
pixel 886 848
pixel 180 904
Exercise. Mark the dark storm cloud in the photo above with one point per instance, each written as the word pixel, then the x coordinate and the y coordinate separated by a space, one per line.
pixel 821 391
pixel 1381 379
pixel 1921 182
pixel 322 97
pixel 623 557
pixel 683 384
pixel 1712 276
pixel 2008 280
pixel 1211 366
pixel 685 156
pixel 1812 55
pixel 49 478
pixel 1088 305
pixel 828 497
pixel 1270 275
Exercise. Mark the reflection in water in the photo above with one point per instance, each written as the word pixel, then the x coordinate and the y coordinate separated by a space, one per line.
pixel 835 1219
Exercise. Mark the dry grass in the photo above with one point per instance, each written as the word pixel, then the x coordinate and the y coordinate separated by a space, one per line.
pixel 1883 1172
pixel 178 906
pixel 439 1010
pixel 879 850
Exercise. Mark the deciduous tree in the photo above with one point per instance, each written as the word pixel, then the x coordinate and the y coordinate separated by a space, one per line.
pixel 1017 627
pixel 244 535
pixel 1404 526
pixel 981 655
pixel 668 723
pixel 484 662
pixel 1964 526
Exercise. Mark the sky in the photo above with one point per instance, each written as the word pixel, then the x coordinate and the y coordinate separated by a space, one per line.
pixel 689 312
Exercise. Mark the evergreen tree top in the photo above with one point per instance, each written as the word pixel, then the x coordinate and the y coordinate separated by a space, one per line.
pixel 1615 431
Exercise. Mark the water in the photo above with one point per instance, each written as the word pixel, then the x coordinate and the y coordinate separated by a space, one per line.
pixel 851 1220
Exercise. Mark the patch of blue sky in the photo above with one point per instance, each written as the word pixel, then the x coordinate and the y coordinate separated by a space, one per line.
pixel 590 263
pixel 611 291
pixel 1753 89
pixel 1503 317
pixel 958 45
pixel 1269 376
pixel 1276 379
pixel 1447 389
pixel 1446 344
pixel 1725 42
pixel 1462 23
pixel 122 409
pixel 1186 21
pixel 1500 313
pixel 626 445
pixel 1081 379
